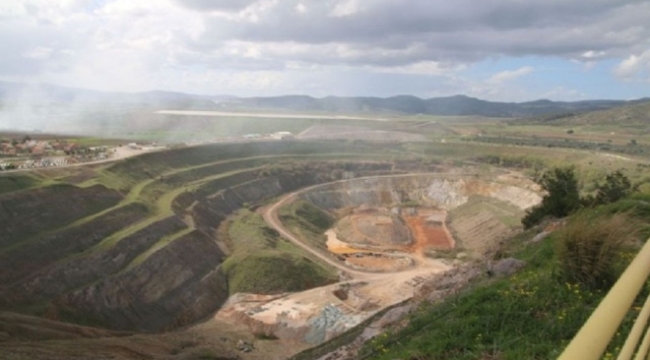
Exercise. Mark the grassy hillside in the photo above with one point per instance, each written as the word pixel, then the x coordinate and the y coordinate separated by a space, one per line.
pixel 264 263
pixel 307 221
pixel 531 315
pixel 631 115
pixel 17 182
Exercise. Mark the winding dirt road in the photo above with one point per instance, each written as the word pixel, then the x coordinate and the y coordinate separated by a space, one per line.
pixel 270 216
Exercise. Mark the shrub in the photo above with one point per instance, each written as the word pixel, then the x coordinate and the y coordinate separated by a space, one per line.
pixel 616 187
pixel 588 248
pixel 562 197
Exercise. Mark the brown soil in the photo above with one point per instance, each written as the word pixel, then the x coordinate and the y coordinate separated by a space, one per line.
pixel 377 263
pixel 378 229
pixel 428 233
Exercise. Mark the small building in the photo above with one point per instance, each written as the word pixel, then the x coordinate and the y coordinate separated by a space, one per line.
pixel 38 149
pixel 7 149
pixel 282 135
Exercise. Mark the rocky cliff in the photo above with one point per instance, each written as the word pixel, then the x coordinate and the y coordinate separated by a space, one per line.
pixel 435 190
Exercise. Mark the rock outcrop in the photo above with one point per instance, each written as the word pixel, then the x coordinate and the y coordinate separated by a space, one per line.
pixel 440 191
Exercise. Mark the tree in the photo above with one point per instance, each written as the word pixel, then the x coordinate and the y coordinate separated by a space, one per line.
pixel 562 197
pixel 616 187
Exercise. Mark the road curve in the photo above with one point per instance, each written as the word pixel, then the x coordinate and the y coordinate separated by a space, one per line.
pixel 271 218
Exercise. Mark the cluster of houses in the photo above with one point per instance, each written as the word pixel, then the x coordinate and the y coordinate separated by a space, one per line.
pixel 37 148
pixel 46 153
pixel 280 135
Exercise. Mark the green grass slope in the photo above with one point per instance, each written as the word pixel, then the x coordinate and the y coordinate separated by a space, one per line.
pixel 264 263
pixel 531 315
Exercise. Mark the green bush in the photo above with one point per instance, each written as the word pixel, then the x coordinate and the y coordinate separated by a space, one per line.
pixel 589 247
pixel 562 197
pixel 616 187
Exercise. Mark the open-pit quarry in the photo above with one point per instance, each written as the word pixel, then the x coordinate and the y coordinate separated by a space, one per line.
pixel 176 253
pixel 392 233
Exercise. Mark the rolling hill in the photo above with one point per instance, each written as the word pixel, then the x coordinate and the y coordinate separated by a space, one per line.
pixel 459 105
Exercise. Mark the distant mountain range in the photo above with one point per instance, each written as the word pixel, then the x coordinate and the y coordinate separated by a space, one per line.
pixel 458 105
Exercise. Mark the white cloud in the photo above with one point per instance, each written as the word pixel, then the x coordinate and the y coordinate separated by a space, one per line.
pixel 509 75
pixel 326 46
pixel 38 53
pixel 593 54
pixel 634 67
pixel 346 8
pixel 301 8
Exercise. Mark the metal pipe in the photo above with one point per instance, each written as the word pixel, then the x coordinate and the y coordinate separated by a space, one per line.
pixel 591 341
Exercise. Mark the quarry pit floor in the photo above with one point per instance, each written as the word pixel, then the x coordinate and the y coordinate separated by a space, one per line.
pixel 369 281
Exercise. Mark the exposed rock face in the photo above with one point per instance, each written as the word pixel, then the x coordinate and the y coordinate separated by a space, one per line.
pixel 440 191
pixel 174 286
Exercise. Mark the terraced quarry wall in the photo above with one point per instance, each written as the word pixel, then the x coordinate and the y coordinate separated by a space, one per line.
pixel 147 256
pixel 62 204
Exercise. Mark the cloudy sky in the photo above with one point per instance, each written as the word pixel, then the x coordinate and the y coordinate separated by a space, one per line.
pixel 508 50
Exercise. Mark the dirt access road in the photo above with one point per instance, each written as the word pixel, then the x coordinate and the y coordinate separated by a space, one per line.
pixel 271 218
